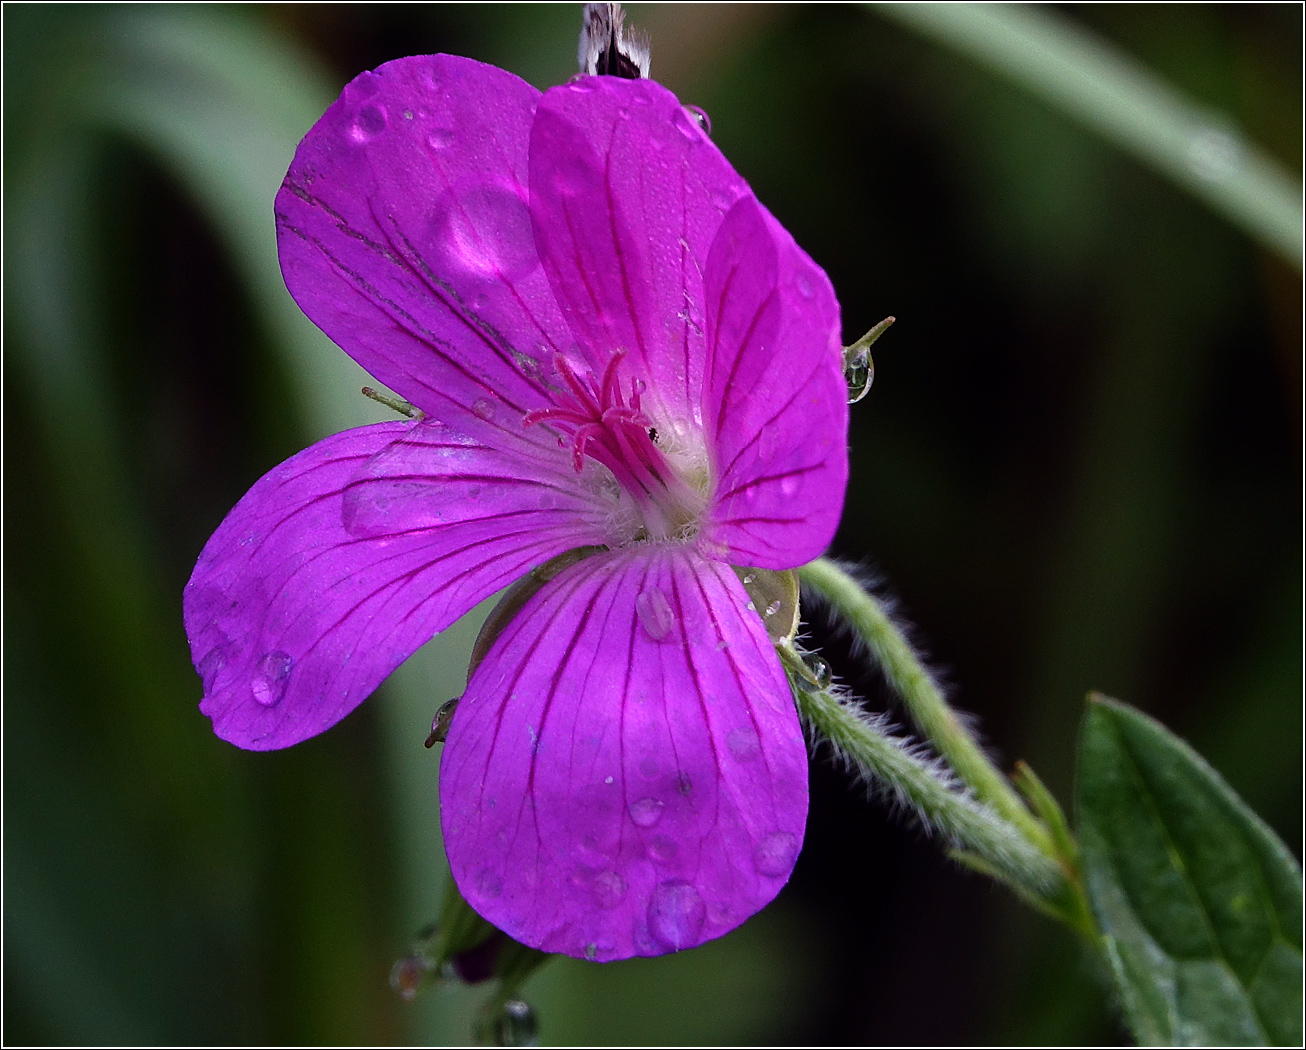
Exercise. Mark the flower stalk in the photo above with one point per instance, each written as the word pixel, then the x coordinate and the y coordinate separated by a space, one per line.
pixel 927 787
pixel 922 697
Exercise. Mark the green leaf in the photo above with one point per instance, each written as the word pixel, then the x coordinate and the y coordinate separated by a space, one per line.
pixel 1199 903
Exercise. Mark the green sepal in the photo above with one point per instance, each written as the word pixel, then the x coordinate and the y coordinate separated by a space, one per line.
pixel 1198 902
pixel 775 597
pixel 518 595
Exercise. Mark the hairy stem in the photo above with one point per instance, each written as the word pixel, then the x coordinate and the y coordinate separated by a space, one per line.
pixel 888 761
pixel 922 697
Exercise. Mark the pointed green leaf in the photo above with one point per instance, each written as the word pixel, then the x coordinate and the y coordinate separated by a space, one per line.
pixel 1199 903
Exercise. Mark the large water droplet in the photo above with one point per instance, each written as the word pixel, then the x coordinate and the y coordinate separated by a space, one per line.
pixel 646 811
pixel 772 608
pixel 609 889
pixel 774 856
pixel 270 677
pixel 743 743
pixel 675 915
pixel 859 374
pixel 654 612
pixel 487 231
pixel 804 284
pixel 514 1024
pixel 369 123
pixel 858 367
pixel 484 408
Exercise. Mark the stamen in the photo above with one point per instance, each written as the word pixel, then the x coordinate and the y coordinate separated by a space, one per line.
pixel 615 432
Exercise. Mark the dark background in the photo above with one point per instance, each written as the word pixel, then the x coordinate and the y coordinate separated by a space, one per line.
pixel 1079 468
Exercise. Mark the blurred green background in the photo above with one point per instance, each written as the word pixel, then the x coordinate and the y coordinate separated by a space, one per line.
pixel 1080 467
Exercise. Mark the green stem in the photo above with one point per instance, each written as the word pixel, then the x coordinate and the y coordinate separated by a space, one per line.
pixel 887 760
pixel 922 697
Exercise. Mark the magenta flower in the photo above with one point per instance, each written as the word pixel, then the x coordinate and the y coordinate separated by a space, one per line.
pixel 615 346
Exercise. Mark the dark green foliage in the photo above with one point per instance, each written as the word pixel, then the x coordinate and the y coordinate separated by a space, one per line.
pixel 1199 902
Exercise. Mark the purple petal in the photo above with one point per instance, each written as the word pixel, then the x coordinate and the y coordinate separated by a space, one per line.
pixel 626 774
pixel 775 397
pixel 627 193
pixel 338 564
pixel 405 235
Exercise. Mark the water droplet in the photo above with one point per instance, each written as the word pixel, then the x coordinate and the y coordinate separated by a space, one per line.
pixel 646 811
pixel 369 123
pixel 790 484
pixel 607 780
pixel 609 889
pixel 859 374
pixel 484 408
pixel 591 951
pixel 489 882
pixel 774 857
pixel 408 975
pixel 743 743
pixel 270 678
pixel 772 608
pixel 699 114
pixel 440 138
pixel 514 1024
pixel 663 848
pixel 675 915
pixel 214 661
pixel 805 286
pixel 750 577
pixel 654 612
pixel 408 114
pixel 818 677
pixel 486 231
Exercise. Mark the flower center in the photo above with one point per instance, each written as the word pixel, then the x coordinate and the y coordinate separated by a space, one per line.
pixel 608 424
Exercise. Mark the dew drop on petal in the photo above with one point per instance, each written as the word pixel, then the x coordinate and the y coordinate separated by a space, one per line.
pixel 774 856
pixel 790 484
pixel 609 889
pixel 750 577
pixel 675 914
pixel 663 848
pixel 591 951
pixel 486 231
pixel 654 612
pixel 646 811
pixel 484 408
pixel 772 608
pixel 369 123
pixel 440 138
pixel 214 661
pixel 743 743
pixel 270 677
pixel 804 286
pixel 700 117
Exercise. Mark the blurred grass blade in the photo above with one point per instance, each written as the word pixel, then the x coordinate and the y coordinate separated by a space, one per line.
pixel 1199 903
pixel 1121 100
